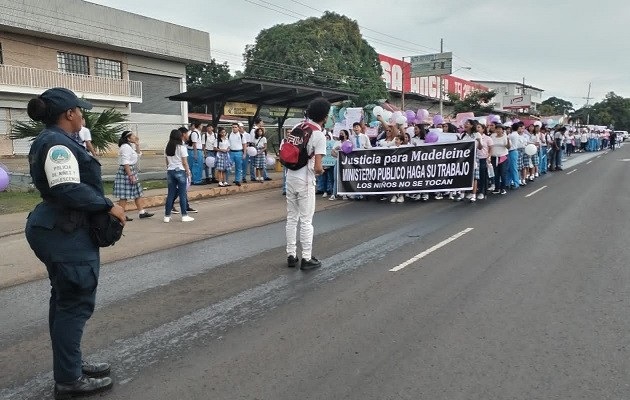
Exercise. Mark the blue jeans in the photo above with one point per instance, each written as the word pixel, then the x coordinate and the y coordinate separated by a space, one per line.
pixel 328 180
pixel 237 160
pixel 482 184
pixel 500 173
pixel 196 165
pixel 176 180
pixel 514 176
pixel 542 155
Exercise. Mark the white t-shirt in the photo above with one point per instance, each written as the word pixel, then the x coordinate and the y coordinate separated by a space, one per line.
pixel 85 135
pixel 127 155
pixel 175 162
pixel 224 145
pixel 236 141
pixel 211 141
pixel 195 138
pixel 260 143
pixel 514 139
pixel 499 145
pixel 447 137
pixel 316 145
pixel 248 138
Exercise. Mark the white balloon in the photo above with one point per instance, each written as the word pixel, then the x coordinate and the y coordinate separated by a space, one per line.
pixel 251 151
pixel 387 115
pixel 531 149
pixel 537 123
pixel 401 119
pixel 271 161
pixel 210 161
pixel 378 110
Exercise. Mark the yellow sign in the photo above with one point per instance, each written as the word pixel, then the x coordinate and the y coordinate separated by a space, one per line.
pixel 240 109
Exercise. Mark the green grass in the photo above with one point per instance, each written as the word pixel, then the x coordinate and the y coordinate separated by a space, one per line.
pixel 16 201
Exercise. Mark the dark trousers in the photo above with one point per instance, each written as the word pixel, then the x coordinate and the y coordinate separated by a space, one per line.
pixel 500 173
pixel 73 293
pixel 482 184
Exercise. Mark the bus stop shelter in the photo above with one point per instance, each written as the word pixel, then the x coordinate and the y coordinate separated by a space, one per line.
pixel 259 93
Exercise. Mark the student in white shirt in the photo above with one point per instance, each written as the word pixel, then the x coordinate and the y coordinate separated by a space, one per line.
pixel 195 154
pixel 177 175
pixel 247 160
pixel 209 143
pixel 359 139
pixel 301 190
pixel 126 184
pixel 86 138
pixel 238 152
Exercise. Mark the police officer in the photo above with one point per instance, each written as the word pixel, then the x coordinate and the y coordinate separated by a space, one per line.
pixel 69 181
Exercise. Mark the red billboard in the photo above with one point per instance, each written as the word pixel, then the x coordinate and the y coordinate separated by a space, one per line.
pixel 426 86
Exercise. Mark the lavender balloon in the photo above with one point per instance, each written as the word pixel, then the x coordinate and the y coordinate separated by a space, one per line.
pixel 4 180
pixel 422 114
pixel 431 137
pixel 346 147
pixel 437 119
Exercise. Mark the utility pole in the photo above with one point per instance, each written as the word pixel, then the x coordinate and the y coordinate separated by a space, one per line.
pixel 588 98
pixel 403 82
pixel 440 81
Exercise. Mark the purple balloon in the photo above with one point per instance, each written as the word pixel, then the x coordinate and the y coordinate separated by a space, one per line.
pixel 422 114
pixel 437 119
pixel 411 116
pixel 346 147
pixel 431 137
pixel 4 180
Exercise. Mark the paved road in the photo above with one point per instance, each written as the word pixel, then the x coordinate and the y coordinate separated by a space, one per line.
pixel 519 297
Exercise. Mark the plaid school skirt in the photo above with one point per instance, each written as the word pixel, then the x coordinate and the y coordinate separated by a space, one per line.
pixel 535 160
pixel 123 189
pixel 521 158
pixel 260 161
pixel 222 162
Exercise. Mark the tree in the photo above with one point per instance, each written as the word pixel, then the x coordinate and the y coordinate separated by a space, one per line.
pixel 546 109
pixel 560 106
pixel 105 128
pixel 199 75
pixel 327 51
pixel 476 101
pixel 613 110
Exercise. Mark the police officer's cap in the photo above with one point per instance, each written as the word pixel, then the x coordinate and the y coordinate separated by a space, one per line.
pixel 59 100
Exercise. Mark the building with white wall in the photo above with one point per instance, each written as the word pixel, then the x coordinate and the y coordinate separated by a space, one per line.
pixel 111 57
pixel 513 95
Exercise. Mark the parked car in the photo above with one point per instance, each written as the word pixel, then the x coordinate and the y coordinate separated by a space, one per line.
pixel 622 135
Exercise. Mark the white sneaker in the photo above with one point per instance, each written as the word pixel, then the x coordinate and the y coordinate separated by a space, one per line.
pixel 344 198
pixel 491 188
pixel 393 199
pixel 425 197
pixel 473 198
pixel 401 198
pixel 332 197
pixel 451 196
pixel 325 195
pixel 537 175
pixel 439 196
pixel 167 219
pixel 469 196
pixel 186 218
pixel 481 196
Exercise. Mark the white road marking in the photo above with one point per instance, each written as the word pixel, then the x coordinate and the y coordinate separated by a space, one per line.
pixel 536 191
pixel 431 250
pixel 588 162
pixel 598 156
pixel 570 172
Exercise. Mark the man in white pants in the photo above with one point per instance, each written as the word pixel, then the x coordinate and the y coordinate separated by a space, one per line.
pixel 301 190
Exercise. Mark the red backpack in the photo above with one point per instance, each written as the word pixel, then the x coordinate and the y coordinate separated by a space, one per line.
pixel 293 153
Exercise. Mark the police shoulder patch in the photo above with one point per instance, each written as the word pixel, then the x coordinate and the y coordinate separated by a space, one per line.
pixel 61 166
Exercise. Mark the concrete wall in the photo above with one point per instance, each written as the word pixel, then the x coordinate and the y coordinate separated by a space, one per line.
pixel 34 52
pixel 82 22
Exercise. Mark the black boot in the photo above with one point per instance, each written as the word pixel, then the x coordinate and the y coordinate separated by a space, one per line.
pixel 95 370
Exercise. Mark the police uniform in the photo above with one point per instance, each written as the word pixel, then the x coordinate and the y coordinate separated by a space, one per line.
pixel 69 180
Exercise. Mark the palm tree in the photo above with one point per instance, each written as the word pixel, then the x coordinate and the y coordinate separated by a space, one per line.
pixel 105 128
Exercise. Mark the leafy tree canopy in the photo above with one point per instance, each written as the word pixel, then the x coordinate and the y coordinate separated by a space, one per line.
pixel 559 106
pixel 327 51
pixel 477 101
pixel 613 110
pixel 199 75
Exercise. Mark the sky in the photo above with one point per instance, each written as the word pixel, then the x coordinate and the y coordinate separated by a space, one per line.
pixel 559 46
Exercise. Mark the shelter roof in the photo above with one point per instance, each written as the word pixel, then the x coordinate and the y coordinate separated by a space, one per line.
pixel 261 92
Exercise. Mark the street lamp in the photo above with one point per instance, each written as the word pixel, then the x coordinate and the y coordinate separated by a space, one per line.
pixel 442 89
